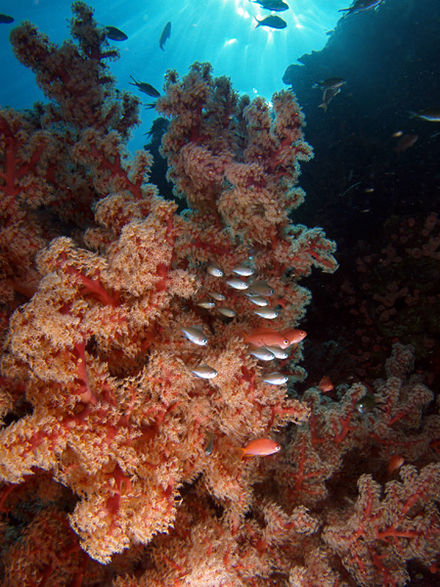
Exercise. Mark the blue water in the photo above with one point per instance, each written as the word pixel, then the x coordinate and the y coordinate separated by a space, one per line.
pixel 219 31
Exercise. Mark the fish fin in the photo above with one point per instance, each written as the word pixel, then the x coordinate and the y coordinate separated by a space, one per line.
pixel 259 22
pixel 323 106
pixel 244 455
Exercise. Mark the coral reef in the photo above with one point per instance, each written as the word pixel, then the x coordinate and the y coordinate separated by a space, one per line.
pixel 400 300
pixel 129 382
pixel 390 295
pixel 45 190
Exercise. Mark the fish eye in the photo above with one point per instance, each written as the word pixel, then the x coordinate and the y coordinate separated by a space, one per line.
pixel 286 341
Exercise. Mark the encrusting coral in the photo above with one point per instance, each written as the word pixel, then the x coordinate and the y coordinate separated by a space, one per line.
pixel 131 381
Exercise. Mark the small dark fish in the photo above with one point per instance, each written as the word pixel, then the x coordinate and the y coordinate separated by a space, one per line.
pixel 331 87
pixel 430 114
pixel 164 35
pixel 331 82
pixel 115 34
pixel 158 127
pixel 405 142
pixel 327 96
pixel 210 444
pixel 146 88
pixel 150 105
pixel 366 404
pixel 275 5
pixel 5 19
pixel 274 22
pixel 362 6
pixel 350 187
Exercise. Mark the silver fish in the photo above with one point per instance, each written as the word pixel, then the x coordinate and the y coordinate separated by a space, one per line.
pixel 268 313
pixel 257 300
pixel 275 378
pixel 206 305
pixel 263 354
pixel 205 372
pixel 243 270
pixel 195 335
pixel 228 312
pixel 214 270
pixel 218 297
pixel 277 351
pixel 236 283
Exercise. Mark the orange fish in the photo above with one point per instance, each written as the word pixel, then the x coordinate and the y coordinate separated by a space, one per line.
pixel 269 337
pixel 395 462
pixel 294 335
pixel 260 447
pixel 266 337
pixel 325 384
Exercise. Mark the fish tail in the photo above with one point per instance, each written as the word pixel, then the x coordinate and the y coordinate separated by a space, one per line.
pixel 259 22
pixel 323 106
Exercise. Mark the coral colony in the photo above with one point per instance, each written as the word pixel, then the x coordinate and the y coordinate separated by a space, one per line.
pixel 151 432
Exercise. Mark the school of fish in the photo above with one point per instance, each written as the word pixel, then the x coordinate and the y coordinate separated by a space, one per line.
pixel 265 344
